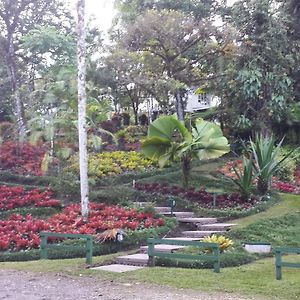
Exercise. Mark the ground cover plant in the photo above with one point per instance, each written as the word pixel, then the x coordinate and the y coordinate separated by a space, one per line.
pixel 16 197
pixel 200 197
pixel 25 159
pixel 19 232
pixel 114 163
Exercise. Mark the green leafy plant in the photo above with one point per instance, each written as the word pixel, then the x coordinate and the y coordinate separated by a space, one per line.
pixel 113 163
pixel 244 179
pixel 266 163
pixel 169 140
pixel 224 242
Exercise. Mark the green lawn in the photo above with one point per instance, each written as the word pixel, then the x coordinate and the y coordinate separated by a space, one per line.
pixel 290 204
pixel 256 279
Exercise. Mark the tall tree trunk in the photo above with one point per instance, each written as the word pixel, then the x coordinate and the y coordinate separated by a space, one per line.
pixel 82 130
pixel 12 70
pixel 179 105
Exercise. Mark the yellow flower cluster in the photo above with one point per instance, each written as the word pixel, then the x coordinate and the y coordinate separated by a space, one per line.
pixel 224 242
pixel 115 163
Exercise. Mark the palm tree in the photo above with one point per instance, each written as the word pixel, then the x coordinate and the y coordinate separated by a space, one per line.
pixel 169 140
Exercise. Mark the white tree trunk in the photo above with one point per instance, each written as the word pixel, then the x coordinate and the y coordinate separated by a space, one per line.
pixel 82 130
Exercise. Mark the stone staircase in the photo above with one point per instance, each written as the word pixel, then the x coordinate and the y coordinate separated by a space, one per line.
pixel 199 228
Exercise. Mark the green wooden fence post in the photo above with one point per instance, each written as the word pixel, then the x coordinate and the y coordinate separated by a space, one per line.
pixel 216 252
pixel 150 253
pixel 89 249
pixel 43 253
pixel 278 265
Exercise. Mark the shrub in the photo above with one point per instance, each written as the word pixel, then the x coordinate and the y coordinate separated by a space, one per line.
pixel 224 242
pixel 114 163
pixel 288 168
pixel 24 158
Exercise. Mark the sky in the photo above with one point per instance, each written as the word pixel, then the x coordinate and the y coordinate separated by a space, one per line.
pixel 101 10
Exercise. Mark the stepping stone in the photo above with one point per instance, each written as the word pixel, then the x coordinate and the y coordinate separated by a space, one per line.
pixel 117 268
pixel 139 259
pixel 163 248
pixel 140 204
pixel 162 209
pixel 182 238
pixel 197 220
pixel 202 233
pixel 217 226
pixel 180 214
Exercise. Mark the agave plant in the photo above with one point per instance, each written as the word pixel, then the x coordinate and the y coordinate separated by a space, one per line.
pixel 169 140
pixel 244 179
pixel 266 162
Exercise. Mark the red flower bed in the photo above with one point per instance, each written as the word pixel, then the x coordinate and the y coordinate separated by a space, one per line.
pixel 14 197
pixel 102 217
pixel 24 159
pixel 201 197
pixel 19 232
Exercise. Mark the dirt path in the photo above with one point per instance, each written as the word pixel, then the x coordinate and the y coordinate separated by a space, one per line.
pixel 16 285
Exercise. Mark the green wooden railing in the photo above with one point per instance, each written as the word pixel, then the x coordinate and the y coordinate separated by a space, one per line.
pixel 212 255
pixel 45 246
pixel 279 263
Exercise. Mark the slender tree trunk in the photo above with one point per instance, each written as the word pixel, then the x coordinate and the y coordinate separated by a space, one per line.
pixel 82 130
pixel 12 70
pixel 186 169
pixel 179 106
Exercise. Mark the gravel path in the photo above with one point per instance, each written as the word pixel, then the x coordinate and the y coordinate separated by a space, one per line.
pixel 16 285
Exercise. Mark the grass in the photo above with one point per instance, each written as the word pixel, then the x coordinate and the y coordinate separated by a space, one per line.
pixel 256 279
pixel 289 204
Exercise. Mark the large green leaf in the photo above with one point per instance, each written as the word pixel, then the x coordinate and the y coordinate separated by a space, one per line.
pixel 154 147
pixel 166 126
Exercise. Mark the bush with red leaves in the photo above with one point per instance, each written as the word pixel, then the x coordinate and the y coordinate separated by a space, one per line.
pixel 24 159
pixel 17 196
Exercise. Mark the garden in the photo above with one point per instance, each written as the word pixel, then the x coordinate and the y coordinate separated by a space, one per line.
pixel 186 128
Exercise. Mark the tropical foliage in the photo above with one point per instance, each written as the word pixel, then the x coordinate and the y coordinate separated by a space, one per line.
pixel 169 140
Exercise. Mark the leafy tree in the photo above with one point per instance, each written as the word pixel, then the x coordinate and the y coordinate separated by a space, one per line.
pixel 176 50
pixel 169 140
pixel 256 86
pixel 16 19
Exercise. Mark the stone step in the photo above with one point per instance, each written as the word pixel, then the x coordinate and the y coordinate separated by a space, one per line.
pixel 162 248
pixel 117 268
pixel 139 259
pixel 197 220
pixel 182 238
pixel 216 226
pixel 162 209
pixel 201 233
pixel 140 204
pixel 180 214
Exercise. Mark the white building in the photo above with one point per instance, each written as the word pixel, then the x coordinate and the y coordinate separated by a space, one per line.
pixel 200 102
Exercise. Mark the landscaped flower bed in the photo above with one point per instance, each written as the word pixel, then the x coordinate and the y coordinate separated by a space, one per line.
pixel 201 197
pixel 17 196
pixel 24 159
pixel 282 186
pixel 114 163
pixel 18 232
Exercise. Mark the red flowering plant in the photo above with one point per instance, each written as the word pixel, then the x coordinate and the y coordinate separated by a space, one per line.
pixel 19 233
pixel 17 196
pixel 201 197
pixel 24 159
